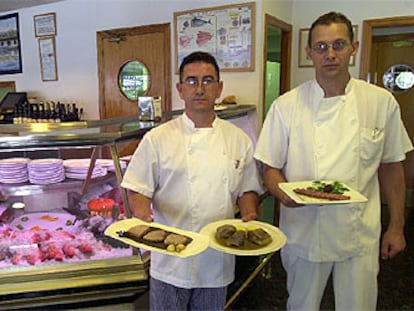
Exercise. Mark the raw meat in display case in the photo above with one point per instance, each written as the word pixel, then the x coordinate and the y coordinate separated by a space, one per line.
pixel 52 237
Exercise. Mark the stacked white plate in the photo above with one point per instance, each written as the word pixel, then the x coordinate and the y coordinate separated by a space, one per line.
pixel 14 170
pixel 46 171
pixel 78 169
pixel 109 164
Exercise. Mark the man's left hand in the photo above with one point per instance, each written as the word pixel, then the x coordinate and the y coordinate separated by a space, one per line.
pixel 392 243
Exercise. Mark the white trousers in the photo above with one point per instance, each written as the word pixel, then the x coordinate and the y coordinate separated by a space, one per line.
pixel 354 282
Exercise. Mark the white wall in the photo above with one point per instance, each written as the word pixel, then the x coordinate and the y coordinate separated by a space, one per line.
pixel 79 20
pixel 306 11
pixel 77 24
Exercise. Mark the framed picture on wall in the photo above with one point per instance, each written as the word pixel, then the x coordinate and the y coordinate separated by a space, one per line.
pixel 303 41
pixel 227 32
pixel 10 56
pixel 47 54
pixel 45 24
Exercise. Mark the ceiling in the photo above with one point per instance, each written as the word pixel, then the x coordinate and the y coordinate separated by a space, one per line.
pixel 14 5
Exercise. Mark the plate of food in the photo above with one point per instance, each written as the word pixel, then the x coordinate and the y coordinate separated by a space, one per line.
pixel 318 192
pixel 250 238
pixel 157 237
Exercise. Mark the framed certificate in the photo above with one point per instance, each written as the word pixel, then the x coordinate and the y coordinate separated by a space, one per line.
pixel 45 24
pixel 47 54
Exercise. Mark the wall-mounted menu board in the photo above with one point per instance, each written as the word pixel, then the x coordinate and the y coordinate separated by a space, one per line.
pixel 227 32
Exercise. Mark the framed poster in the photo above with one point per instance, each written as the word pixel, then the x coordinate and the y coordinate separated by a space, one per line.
pixel 303 42
pixel 45 24
pixel 47 54
pixel 227 32
pixel 10 52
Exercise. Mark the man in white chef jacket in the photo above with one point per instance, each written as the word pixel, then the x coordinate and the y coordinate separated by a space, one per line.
pixel 193 170
pixel 340 129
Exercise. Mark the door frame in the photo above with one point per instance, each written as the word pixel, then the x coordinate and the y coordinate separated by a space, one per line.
pixel 165 29
pixel 285 55
pixel 366 42
pixel 285 67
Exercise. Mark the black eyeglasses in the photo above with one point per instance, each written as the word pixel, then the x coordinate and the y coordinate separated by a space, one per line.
pixel 194 82
pixel 323 47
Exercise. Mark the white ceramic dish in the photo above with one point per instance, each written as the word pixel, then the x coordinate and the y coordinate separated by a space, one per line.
pixel 278 237
pixel 199 243
pixel 288 188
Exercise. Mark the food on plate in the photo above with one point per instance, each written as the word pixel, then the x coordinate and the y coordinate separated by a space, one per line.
pixel 175 239
pixel 259 236
pixel 326 191
pixel 137 232
pixel 237 239
pixel 225 231
pixel 242 237
pixel 321 195
pixel 156 237
pixel 335 187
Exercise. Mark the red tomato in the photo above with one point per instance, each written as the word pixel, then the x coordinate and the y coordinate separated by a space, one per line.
pixel 101 204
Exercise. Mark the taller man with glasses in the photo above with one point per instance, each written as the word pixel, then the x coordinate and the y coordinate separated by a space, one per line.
pixel 187 173
pixel 336 128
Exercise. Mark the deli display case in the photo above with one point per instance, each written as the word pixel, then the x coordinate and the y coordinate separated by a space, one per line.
pixel 54 211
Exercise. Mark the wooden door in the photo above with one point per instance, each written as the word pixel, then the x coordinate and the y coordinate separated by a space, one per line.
pixel 150 45
pixel 388 51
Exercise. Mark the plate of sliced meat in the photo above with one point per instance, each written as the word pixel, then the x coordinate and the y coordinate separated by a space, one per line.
pixel 319 192
pixel 158 238
pixel 233 236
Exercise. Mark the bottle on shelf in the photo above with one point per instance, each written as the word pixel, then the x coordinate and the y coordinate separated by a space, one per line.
pixel 34 112
pixel 41 113
pixel 46 112
pixel 75 112
pixel 62 113
pixel 18 114
pixel 26 113
pixel 58 118
pixel 52 115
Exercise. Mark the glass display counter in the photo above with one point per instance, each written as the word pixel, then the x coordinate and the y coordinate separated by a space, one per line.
pixel 52 246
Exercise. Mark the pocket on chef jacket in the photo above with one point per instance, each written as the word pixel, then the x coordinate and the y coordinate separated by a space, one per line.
pixel 371 143
pixel 234 172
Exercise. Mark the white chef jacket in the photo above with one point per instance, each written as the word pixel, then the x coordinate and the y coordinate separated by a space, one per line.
pixel 194 177
pixel 343 138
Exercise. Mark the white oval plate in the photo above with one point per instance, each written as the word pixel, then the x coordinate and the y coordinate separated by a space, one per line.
pixel 288 188
pixel 197 245
pixel 278 237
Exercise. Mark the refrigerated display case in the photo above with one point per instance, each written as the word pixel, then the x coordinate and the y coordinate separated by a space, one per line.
pixel 52 248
